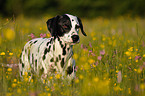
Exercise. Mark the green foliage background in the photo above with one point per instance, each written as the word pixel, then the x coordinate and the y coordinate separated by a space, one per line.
pixel 82 8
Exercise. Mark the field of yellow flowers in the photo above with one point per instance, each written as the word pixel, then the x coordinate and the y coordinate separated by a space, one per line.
pixel 110 61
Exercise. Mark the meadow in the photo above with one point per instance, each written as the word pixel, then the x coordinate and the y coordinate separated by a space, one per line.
pixel 110 61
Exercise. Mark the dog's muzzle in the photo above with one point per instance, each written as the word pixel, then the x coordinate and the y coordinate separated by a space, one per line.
pixel 75 38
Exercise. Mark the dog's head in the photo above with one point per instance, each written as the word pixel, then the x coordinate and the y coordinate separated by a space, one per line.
pixel 66 27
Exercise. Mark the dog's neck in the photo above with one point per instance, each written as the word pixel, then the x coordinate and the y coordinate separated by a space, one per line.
pixel 61 48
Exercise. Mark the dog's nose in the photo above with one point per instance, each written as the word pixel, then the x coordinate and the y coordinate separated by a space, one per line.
pixel 75 38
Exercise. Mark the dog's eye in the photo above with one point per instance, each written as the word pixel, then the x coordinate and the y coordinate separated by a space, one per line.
pixel 65 26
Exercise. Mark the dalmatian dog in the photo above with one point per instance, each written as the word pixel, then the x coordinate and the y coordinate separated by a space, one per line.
pixel 45 56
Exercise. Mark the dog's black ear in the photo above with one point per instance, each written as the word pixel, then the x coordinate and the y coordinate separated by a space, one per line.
pixel 81 26
pixel 52 25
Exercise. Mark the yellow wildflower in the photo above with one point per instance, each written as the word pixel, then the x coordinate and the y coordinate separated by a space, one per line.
pixel 10 53
pixel 26 74
pixel 94 65
pixel 15 80
pixel 9 69
pixel 76 80
pixel 57 76
pixel 32 80
pixel 19 90
pixel 47 89
pixel 103 39
pixel 96 79
pixel 49 94
pixel 40 28
pixel 129 58
pixel 144 55
pixel 51 77
pixel 48 35
pixel 7 77
pixel 8 94
pixel 135 69
pixel 129 91
pixel 43 81
pixel 110 42
pixel 94 38
pixel 121 89
pixel 142 86
pixel 102 46
pixel 91 61
pixel 14 85
pixel 81 77
pixel 86 66
pixel 9 34
pixel 125 75
pixel 130 49
pixel 93 34
pixel 120 65
pixel 136 49
pixel 116 88
pixel 136 60
pixel 26 79
pixel 75 56
pixel 2 53
pixel 128 53
pixel 117 71
pixel 139 70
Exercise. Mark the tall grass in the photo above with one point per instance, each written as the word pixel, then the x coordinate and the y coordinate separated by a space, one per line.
pixel 110 61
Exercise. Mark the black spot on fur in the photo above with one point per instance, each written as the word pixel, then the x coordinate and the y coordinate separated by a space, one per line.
pixel 59 56
pixel 54 47
pixel 51 40
pixel 20 58
pixel 43 57
pixel 25 50
pixel 29 55
pixel 62 62
pixel 64 50
pixel 21 73
pixel 35 41
pixel 61 44
pixel 68 49
pixel 32 59
pixel 49 49
pixel 52 60
pixel 30 42
pixel 22 65
pixel 29 73
pixel 69 70
pixel 58 38
pixel 35 64
pixel 41 70
pixel 45 51
pixel 47 43
pixel 56 59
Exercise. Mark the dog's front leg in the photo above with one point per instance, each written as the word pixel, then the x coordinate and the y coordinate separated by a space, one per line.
pixel 71 69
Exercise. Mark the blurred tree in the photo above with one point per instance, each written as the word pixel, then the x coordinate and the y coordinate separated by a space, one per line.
pixel 84 8
pixel 13 7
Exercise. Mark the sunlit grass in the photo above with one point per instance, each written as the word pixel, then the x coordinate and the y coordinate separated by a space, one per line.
pixel 110 61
